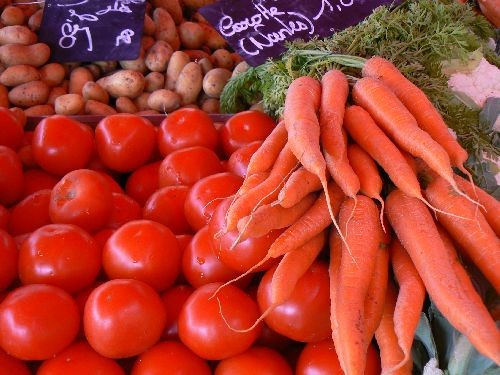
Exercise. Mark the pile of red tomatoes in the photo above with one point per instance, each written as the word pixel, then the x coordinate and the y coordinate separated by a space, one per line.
pixel 112 244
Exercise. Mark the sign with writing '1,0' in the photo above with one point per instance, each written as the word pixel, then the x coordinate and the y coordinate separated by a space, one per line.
pixel 258 29
pixel 93 30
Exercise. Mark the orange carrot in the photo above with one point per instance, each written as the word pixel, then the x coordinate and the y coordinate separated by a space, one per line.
pixel 390 353
pixel 491 210
pixel 363 234
pixel 312 222
pixel 475 236
pixel 335 243
pixel 300 183
pixel 270 216
pixel 265 192
pixel 252 181
pixel 393 117
pixel 335 90
pixel 410 298
pixel 263 159
pixel 457 301
pixel 419 105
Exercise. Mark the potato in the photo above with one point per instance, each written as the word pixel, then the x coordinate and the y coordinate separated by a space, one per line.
pixel 95 70
pixel 206 65
pixel 158 56
pixel 191 34
pixel 53 74
pixel 165 28
pixel 29 94
pixel 17 54
pixel 221 58
pixel 125 105
pixel 40 110
pixel 69 104
pixel 147 112
pixel 213 39
pixel 215 80
pixel 18 74
pixel 35 20
pixel 56 92
pixel 154 81
pixel 17 34
pixel 196 4
pixel 141 102
pixel 124 82
pixel 28 9
pixel 147 42
pixel 240 68
pixel 93 91
pixel 189 83
pixel 139 64
pixel 173 7
pixel 164 101
pixel 177 62
pixel 78 78
pixel 12 15
pixel 149 26
pixel 4 97
pixel 196 54
pixel 93 107
pixel 211 105
pixel 236 58
pixel 107 66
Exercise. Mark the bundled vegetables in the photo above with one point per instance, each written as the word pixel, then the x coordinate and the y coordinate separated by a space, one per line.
pixel 348 167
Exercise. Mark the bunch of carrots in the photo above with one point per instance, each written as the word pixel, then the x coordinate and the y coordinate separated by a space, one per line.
pixel 318 177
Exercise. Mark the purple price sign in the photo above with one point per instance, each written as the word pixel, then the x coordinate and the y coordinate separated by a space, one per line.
pixel 258 29
pixel 93 30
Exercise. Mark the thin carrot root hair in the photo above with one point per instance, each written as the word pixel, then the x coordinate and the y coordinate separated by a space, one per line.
pixel 212 201
pixel 253 326
pixel 435 209
pixel 355 198
pixel 382 207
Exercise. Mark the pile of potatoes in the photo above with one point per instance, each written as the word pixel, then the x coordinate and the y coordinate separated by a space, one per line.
pixel 183 61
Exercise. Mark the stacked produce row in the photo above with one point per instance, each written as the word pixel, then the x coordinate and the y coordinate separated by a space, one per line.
pixel 183 61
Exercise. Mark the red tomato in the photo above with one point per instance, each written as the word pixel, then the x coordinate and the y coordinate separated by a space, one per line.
pixel 80 359
pixel 31 310
pixel 4 217
pixel 143 182
pixel 12 366
pixel 305 316
pixel 37 179
pixel 12 129
pixel 244 128
pixel 212 335
pixel 124 209
pixel 166 206
pixel 125 141
pixel 320 358
pixel 200 264
pixel 26 156
pixel 11 176
pixel 173 300
pixel 256 360
pixel 9 257
pixel 188 165
pixel 61 144
pixel 239 159
pixel 183 240
pixel 123 318
pixel 170 357
pixel 31 213
pixel 114 186
pixel 102 236
pixel 63 255
pixel 187 127
pixel 246 253
pixel 143 250
pixel 206 194
pixel 83 198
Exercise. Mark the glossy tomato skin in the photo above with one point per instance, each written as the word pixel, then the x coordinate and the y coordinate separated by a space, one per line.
pixel 320 358
pixel 305 316
pixel 80 359
pixel 243 128
pixel 123 318
pixel 31 309
pixel 143 250
pixel 9 259
pixel 83 198
pixel 170 357
pixel 206 194
pixel 203 330
pixel 4 217
pixel 173 299
pixel 125 141
pixel 188 165
pixel 31 213
pixel 12 129
pixel 239 159
pixel 125 209
pixel 61 144
pixel 63 255
pixel 143 182
pixel 11 176
pixel 166 206
pixel 246 253
pixel 37 179
pixel 256 360
pixel 187 127
pixel 12 366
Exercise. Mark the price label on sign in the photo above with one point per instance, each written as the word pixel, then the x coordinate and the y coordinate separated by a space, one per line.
pixel 93 30
pixel 259 29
